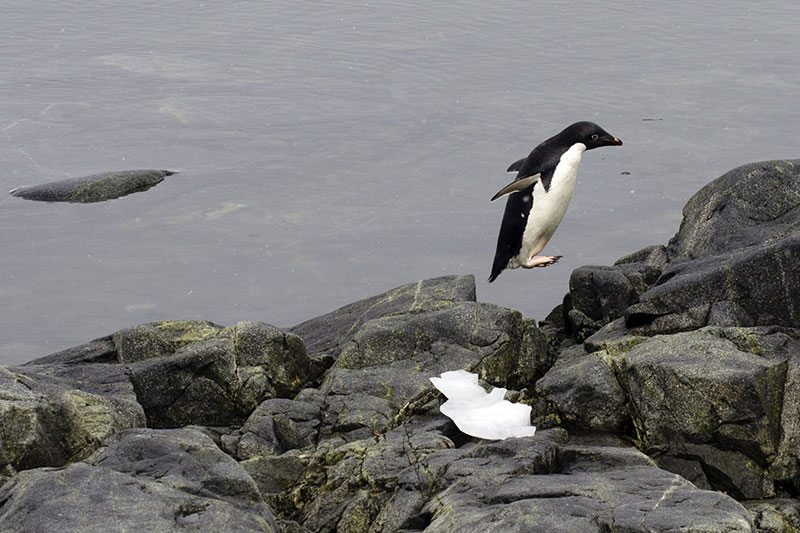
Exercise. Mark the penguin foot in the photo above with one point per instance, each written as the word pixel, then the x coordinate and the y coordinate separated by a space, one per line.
pixel 541 261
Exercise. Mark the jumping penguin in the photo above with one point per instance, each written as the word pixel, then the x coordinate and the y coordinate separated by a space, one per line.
pixel 540 194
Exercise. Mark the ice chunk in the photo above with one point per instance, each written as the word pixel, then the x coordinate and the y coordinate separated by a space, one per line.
pixel 481 414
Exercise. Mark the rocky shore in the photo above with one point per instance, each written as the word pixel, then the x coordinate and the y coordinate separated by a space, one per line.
pixel 665 389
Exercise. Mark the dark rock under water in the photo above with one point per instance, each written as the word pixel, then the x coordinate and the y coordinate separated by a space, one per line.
pixel 94 188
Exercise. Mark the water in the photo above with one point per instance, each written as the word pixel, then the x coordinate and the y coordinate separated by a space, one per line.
pixel 329 151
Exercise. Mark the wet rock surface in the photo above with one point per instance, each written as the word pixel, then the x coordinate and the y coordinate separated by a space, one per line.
pixel 665 389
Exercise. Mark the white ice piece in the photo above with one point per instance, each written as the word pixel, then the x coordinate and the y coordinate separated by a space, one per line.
pixel 479 413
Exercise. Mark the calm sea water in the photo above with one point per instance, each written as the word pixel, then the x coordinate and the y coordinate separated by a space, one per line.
pixel 329 151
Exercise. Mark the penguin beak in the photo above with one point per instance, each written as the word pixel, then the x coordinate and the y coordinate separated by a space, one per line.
pixel 613 141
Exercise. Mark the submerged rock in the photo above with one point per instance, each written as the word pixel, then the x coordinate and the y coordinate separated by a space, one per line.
pixel 94 188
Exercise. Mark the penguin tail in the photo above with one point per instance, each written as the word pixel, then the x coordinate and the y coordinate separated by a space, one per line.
pixel 516 166
pixel 496 270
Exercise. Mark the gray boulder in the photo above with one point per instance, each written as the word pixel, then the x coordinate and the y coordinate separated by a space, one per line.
pixel 279 425
pixel 326 335
pixel 190 372
pixel 754 286
pixel 51 414
pixel 574 486
pixel 601 294
pixel 417 331
pixel 140 480
pixel 281 355
pixel 734 261
pixel 583 392
pixel 704 397
pixel 719 405
pixel 195 385
pixel 751 205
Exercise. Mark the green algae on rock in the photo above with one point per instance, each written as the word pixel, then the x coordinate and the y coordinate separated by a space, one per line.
pixel 94 188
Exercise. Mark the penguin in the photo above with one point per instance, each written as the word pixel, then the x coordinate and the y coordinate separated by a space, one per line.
pixel 540 194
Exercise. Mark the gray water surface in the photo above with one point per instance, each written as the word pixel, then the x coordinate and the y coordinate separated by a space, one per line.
pixel 329 151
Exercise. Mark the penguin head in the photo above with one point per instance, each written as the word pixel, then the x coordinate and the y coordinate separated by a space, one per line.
pixel 590 134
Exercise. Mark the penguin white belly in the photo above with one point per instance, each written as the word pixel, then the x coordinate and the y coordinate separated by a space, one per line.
pixel 549 206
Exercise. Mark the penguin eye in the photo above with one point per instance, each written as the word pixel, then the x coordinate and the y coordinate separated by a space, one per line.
pixel 594 136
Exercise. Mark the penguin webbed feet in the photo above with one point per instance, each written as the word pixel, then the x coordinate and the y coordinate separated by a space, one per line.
pixel 541 261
